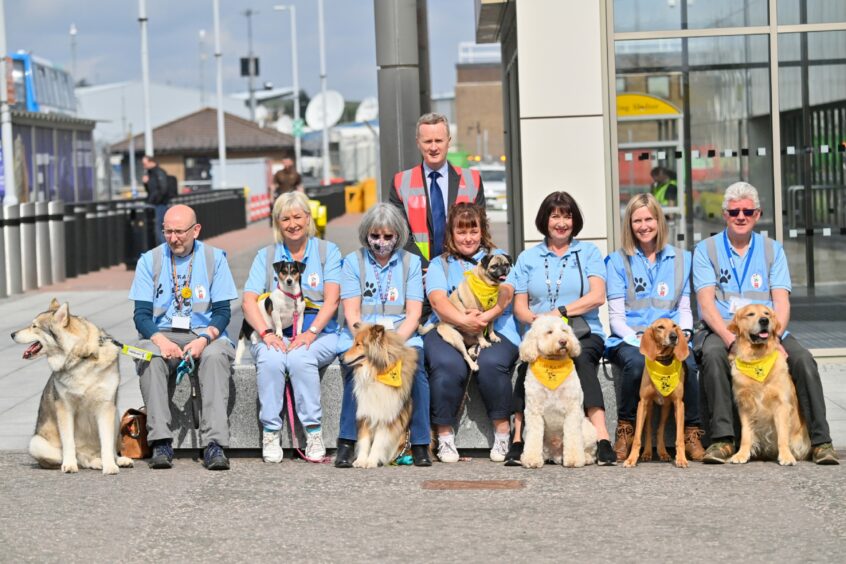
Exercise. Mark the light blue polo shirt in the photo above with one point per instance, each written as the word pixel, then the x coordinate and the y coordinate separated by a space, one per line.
pixel 529 276
pixel 651 280
pixel 504 325
pixel 222 286
pixel 757 280
pixel 313 278
pixel 381 281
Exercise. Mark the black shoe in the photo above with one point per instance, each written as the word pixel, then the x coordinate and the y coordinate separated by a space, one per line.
pixel 514 454
pixel 344 453
pixel 605 455
pixel 214 458
pixel 162 455
pixel 420 454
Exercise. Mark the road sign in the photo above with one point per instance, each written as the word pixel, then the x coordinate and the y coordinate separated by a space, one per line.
pixel 298 127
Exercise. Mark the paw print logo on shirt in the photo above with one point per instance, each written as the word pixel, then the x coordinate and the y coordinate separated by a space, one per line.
pixel 640 285
pixel 369 290
pixel 159 291
pixel 725 276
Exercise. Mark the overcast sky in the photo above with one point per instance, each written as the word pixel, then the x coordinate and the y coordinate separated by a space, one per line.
pixel 108 40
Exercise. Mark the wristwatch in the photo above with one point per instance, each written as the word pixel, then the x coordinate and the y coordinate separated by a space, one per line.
pixel 266 332
pixel 207 337
pixel 314 330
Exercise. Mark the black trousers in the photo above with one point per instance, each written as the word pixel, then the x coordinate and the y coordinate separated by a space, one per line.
pixel 719 411
pixel 587 367
pixel 448 373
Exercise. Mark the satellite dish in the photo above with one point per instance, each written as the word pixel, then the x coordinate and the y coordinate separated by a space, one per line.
pixel 367 110
pixel 284 124
pixel 334 109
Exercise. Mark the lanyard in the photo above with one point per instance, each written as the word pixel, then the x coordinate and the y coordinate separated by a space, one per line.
pixel 181 295
pixel 552 299
pixel 383 295
pixel 748 261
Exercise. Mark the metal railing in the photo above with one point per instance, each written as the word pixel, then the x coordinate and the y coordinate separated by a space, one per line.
pixel 827 206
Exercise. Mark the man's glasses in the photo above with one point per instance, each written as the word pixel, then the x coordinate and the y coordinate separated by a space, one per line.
pixel 747 213
pixel 178 232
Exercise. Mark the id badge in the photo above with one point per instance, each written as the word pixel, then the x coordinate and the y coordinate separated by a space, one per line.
pixel 386 322
pixel 736 304
pixel 181 323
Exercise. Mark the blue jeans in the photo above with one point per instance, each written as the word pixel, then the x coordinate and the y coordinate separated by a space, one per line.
pixel 628 359
pixel 420 426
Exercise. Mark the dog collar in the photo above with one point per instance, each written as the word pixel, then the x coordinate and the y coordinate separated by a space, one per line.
pixel 392 376
pixel 757 369
pixel 665 377
pixel 292 296
pixel 486 294
pixel 552 373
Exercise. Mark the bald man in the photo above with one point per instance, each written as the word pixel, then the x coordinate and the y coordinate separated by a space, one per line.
pixel 182 290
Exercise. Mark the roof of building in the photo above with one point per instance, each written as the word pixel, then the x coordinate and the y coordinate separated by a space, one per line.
pixel 197 133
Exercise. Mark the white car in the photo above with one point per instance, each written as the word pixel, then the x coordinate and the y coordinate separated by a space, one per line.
pixel 493 179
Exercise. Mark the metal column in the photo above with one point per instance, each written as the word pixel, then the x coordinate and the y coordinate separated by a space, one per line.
pixel 399 86
pixel 44 267
pixel 3 293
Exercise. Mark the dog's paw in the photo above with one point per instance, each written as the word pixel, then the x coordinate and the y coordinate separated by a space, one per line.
pixel 739 458
pixel 70 467
pixel 664 456
pixel 125 462
pixel 574 461
pixel 494 337
pixel 110 469
pixel 681 462
pixel 474 367
pixel 646 456
pixel 786 459
pixel 362 462
pixel 630 462
pixel 95 464
pixel 531 460
pixel 484 343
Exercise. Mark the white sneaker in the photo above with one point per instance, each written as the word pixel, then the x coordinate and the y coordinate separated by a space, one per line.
pixel 315 448
pixel 446 450
pixel 271 450
pixel 499 450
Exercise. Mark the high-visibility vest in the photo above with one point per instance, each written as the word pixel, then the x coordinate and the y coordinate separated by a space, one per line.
pixel 660 192
pixel 411 188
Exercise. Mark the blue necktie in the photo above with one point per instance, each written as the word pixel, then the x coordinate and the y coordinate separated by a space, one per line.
pixel 436 198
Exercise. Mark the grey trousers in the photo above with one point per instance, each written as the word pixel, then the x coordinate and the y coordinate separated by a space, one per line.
pixel 214 370
pixel 718 402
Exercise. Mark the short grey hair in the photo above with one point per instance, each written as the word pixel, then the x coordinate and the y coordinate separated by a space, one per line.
pixel 383 216
pixel 287 202
pixel 741 191
pixel 431 118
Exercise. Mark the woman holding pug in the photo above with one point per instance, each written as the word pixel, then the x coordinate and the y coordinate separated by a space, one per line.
pixel 565 277
pixel 470 256
pixel 648 279
pixel 382 283
pixel 300 356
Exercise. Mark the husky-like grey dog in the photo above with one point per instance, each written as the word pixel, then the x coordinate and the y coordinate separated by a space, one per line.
pixel 77 419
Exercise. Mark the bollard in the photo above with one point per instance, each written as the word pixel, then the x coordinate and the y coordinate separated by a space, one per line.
pixel 3 293
pixel 56 227
pixel 91 234
pixel 12 231
pixel 43 262
pixel 71 260
pixel 83 264
pixel 104 237
pixel 29 250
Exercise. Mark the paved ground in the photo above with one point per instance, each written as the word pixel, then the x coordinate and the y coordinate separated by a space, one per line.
pixel 317 513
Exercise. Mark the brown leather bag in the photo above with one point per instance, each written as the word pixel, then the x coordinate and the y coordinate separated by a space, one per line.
pixel 133 434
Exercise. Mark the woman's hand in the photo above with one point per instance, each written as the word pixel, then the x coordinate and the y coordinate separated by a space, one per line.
pixel 274 341
pixel 473 322
pixel 304 339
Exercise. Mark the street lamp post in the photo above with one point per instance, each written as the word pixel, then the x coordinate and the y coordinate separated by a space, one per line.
pixel 296 79
pixel 250 67
pixel 202 36
pixel 8 171
pixel 145 78
pixel 73 32
pixel 221 131
pixel 326 175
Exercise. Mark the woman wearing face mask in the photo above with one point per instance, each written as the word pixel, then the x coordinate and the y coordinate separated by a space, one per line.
pixel 382 283
pixel 564 277
pixel 300 356
pixel 467 241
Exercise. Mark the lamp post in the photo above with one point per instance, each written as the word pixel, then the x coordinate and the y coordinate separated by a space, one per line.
pixel 296 80
pixel 249 13
pixel 221 131
pixel 8 171
pixel 202 45
pixel 326 175
pixel 145 78
pixel 73 32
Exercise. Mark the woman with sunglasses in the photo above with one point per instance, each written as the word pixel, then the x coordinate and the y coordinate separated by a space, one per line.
pixel 648 279
pixel 300 356
pixel 382 283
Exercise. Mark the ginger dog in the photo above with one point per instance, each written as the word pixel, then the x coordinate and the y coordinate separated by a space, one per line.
pixel 770 423
pixel 665 348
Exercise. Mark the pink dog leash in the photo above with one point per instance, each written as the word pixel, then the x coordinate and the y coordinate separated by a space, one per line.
pixel 294 297
pixel 294 441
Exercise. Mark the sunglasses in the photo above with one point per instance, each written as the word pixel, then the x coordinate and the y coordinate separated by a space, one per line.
pixel 377 237
pixel 735 213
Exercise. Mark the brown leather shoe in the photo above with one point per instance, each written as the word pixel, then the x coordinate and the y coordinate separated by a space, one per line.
pixel 693 444
pixel 718 453
pixel 625 438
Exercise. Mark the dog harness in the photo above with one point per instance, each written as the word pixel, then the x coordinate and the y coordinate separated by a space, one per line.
pixel 757 369
pixel 485 293
pixel 665 377
pixel 552 373
pixel 392 376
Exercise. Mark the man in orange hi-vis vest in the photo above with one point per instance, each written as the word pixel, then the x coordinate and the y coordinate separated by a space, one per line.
pixel 426 192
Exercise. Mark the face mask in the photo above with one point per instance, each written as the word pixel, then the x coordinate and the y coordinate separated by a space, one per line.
pixel 381 247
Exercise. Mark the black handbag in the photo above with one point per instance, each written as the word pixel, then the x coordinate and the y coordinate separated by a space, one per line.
pixel 577 323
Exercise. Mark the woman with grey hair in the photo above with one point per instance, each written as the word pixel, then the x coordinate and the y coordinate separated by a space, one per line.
pixel 382 283
pixel 299 355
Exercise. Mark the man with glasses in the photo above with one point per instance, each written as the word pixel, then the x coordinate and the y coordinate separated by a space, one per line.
pixel 182 291
pixel 734 268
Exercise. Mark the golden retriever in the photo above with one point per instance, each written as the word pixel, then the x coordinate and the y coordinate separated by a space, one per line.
pixel 383 373
pixel 770 423
pixel 556 426
pixel 665 348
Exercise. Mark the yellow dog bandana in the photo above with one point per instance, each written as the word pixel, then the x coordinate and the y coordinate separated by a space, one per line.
pixel 552 373
pixel 391 377
pixel 487 295
pixel 757 369
pixel 665 378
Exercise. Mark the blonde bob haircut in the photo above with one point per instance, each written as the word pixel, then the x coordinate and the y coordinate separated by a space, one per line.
pixel 649 202
pixel 288 202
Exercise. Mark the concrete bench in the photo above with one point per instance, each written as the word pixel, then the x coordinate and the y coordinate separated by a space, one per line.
pixel 474 431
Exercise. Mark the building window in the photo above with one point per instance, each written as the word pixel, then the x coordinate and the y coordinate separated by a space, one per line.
pixel 658 86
